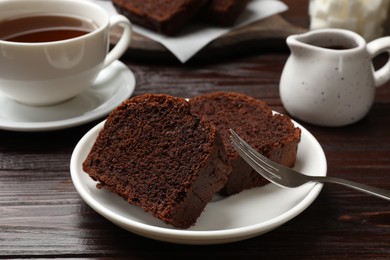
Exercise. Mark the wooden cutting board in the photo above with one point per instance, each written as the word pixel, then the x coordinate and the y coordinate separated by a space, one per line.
pixel 273 28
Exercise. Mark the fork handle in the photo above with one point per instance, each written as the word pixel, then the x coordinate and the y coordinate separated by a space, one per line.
pixel 381 193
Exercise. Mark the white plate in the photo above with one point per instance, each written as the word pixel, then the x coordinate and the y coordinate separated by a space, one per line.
pixel 241 216
pixel 113 85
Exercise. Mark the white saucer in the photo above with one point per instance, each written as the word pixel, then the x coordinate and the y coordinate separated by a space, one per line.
pixel 113 85
pixel 245 215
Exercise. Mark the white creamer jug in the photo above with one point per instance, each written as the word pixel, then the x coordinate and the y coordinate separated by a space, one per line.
pixel 329 78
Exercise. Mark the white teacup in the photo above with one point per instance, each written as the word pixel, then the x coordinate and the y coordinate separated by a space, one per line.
pixel 50 72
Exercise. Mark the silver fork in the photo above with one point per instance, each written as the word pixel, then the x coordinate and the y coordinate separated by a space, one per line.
pixel 288 178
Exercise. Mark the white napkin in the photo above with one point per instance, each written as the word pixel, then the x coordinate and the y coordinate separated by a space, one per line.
pixel 196 36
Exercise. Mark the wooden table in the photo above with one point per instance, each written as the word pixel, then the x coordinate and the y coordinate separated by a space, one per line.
pixel 42 215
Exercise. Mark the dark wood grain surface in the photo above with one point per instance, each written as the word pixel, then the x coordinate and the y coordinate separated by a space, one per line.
pixel 42 215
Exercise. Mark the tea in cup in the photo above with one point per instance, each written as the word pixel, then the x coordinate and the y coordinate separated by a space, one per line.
pixel 51 51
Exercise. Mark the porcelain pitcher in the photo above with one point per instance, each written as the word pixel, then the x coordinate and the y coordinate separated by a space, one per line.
pixel 329 78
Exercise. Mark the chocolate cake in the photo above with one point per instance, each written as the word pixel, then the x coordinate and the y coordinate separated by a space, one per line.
pixel 223 12
pixel 156 154
pixel 163 16
pixel 273 135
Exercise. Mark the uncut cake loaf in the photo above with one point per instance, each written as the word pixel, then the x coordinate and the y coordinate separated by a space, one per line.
pixel 273 135
pixel 163 16
pixel 156 154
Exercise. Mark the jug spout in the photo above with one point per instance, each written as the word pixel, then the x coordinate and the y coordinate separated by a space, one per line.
pixel 296 45
pixel 303 46
pixel 327 40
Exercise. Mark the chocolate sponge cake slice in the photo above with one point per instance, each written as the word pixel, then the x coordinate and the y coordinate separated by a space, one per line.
pixel 274 136
pixel 163 16
pixel 156 154
pixel 223 12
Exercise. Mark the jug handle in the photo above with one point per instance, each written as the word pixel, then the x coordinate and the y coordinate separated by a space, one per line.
pixel 374 48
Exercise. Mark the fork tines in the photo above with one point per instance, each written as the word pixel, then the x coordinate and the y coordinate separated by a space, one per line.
pixel 256 160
